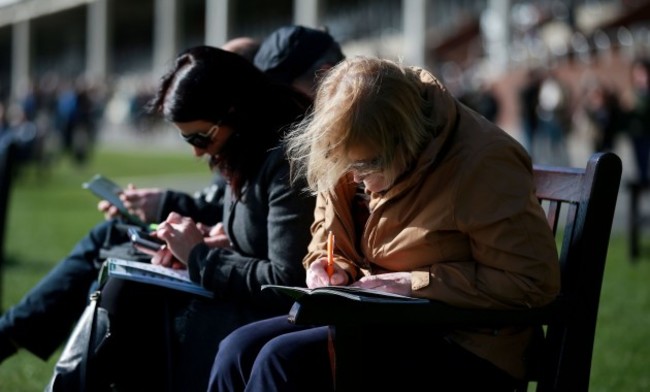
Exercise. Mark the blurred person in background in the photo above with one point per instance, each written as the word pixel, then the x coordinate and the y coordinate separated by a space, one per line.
pixel 638 123
pixel 71 113
pixel 528 101
pixel 4 123
pixel 602 107
pixel 554 113
pixel 25 135
pixel 481 97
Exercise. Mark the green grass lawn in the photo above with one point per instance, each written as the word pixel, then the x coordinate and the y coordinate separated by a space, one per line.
pixel 46 220
pixel 49 212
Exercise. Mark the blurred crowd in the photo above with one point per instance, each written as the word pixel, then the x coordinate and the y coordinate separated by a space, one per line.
pixel 552 104
pixel 54 117
pixel 61 117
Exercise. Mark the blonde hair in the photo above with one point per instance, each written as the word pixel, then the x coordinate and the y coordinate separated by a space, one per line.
pixel 361 100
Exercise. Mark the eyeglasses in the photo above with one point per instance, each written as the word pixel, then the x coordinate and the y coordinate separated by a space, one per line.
pixel 201 139
pixel 367 166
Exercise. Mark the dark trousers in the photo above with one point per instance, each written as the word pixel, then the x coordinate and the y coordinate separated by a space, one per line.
pixel 43 319
pixel 274 355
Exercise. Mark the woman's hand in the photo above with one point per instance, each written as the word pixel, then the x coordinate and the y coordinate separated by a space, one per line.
pixel 166 258
pixel 143 203
pixel 391 282
pixel 215 236
pixel 108 209
pixel 317 275
pixel 181 235
pixel 163 256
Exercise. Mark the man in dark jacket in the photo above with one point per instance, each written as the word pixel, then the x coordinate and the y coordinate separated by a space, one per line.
pixel 298 56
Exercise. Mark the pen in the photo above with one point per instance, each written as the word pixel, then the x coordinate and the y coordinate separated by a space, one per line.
pixel 330 254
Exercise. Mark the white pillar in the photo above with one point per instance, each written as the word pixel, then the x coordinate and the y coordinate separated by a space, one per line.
pixel 165 37
pixel 217 22
pixel 414 20
pixel 496 32
pixel 307 12
pixel 20 61
pixel 97 39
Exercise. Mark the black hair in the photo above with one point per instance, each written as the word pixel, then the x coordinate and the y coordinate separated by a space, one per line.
pixel 210 84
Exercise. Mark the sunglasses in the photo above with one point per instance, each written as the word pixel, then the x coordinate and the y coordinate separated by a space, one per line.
pixel 366 167
pixel 201 140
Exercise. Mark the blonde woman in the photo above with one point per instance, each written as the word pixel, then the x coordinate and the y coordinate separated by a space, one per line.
pixel 449 213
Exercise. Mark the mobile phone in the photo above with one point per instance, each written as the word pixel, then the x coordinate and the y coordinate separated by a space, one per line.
pixel 108 190
pixel 141 238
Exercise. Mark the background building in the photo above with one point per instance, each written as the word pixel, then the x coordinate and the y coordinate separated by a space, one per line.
pixel 114 50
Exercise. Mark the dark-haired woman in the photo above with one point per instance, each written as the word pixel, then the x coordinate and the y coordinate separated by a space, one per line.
pixel 229 113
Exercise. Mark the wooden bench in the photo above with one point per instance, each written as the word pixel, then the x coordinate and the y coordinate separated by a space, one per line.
pixel 580 206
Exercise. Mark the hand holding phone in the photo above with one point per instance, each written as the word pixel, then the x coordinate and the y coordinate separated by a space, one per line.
pixel 145 241
pixel 108 190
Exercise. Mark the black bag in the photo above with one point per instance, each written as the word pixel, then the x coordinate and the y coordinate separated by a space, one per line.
pixel 81 364
pixel 74 369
